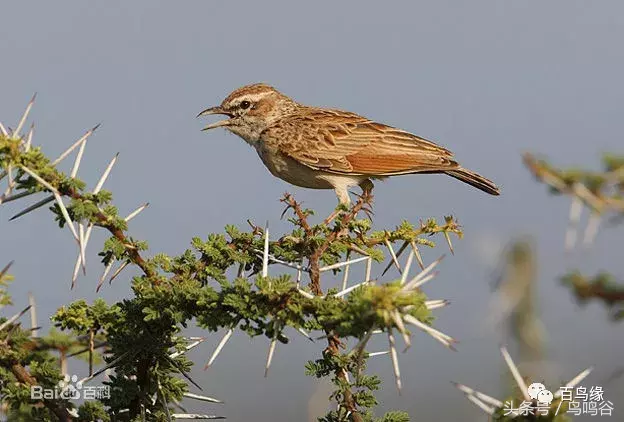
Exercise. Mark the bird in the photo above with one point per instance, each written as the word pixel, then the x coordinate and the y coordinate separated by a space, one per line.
pixel 325 148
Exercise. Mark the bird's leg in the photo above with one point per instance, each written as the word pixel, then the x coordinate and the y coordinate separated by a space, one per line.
pixel 367 187
pixel 367 196
pixel 343 198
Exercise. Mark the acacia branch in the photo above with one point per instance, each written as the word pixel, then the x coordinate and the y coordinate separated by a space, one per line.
pixel 333 340
pixel 102 220
pixel 596 199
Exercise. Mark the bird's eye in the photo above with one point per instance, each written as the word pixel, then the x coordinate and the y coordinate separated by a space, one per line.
pixel 245 104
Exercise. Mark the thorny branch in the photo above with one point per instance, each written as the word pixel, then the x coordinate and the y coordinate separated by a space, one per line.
pixel 602 192
pixel 592 188
pixel 339 230
pixel 103 221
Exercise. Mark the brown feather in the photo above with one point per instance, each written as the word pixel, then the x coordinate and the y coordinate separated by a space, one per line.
pixel 343 142
pixel 475 180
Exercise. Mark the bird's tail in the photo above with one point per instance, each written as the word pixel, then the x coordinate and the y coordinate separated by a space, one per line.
pixel 475 180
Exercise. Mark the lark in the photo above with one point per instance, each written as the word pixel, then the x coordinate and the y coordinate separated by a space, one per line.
pixel 323 148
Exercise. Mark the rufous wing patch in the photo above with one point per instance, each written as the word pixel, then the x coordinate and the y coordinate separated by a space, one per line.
pixel 387 164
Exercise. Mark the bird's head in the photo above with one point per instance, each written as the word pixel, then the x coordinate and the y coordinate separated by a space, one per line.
pixel 250 110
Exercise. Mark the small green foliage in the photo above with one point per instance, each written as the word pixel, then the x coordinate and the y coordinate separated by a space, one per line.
pixel 603 287
pixel 5 279
pixel 92 411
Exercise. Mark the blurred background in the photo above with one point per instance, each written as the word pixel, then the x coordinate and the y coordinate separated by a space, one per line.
pixel 487 79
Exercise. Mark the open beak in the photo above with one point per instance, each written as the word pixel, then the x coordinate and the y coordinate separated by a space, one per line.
pixel 216 110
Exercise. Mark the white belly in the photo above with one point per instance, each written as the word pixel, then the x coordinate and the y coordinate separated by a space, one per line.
pixel 301 175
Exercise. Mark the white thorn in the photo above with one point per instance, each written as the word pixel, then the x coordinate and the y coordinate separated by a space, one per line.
pixel 224 340
pixel 369 264
pixel 76 270
pixel 3 130
pixel 437 335
pixel 20 125
pixel 136 212
pixel 574 381
pixel 350 289
pixel 346 375
pixel 417 254
pixel 79 260
pixel 516 374
pixel 420 282
pixel 279 261
pixel 11 182
pixel 373 354
pixel 345 275
pixel 396 317
pixel 104 274
pixel 306 294
pixel 342 264
pixel 88 233
pixel 265 255
pixel 592 229
pixel 270 354
pixel 487 409
pixel 481 396
pixel 14 318
pixel 202 398
pixel 362 343
pixel 40 180
pixel 437 303
pixel 74 170
pixel 393 255
pixel 304 333
pixel 33 316
pixel 187 348
pixel 29 138
pixel 83 246
pixel 408 265
pixel 448 241
pixel 118 271
pixel 395 360
pixel 105 175
pixel 163 401
pixel 576 208
pixel 421 278
pixel 73 146
pixel 111 364
pixel 70 223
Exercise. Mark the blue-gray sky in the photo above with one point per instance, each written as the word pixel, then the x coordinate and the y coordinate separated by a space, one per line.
pixel 487 79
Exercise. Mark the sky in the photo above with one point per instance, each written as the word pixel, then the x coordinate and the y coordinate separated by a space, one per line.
pixel 487 79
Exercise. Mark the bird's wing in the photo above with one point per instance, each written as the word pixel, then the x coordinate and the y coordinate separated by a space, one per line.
pixel 342 142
